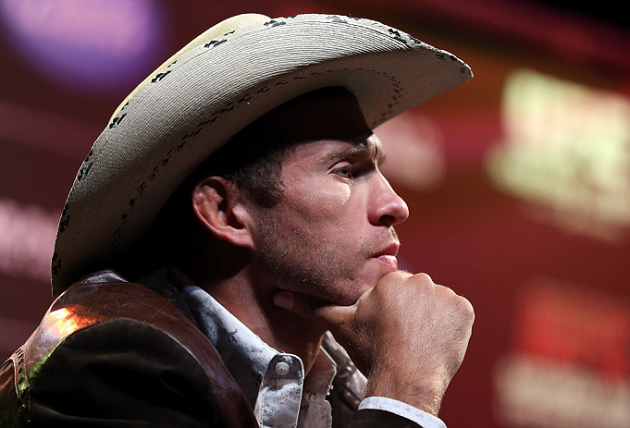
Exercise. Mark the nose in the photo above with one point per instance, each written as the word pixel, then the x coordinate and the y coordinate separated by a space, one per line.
pixel 387 208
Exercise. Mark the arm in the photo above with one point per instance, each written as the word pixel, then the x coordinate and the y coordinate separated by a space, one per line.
pixel 407 334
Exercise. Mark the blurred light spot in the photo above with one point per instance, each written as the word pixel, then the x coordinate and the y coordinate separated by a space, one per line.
pixel 99 44
pixel 567 150
pixel 414 154
pixel 570 365
pixel 538 394
pixel 561 323
pixel 27 236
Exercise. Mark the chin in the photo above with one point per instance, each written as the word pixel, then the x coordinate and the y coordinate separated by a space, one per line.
pixel 353 292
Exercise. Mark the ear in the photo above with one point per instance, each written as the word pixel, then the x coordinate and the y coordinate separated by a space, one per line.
pixel 219 206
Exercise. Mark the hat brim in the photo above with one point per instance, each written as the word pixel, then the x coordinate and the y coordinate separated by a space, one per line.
pixel 184 112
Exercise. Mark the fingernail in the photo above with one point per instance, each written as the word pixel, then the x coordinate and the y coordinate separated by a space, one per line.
pixel 284 300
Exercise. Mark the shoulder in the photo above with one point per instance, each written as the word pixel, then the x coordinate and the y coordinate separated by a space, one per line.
pixel 106 307
pixel 113 348
pixel 105 320
pixel 105 298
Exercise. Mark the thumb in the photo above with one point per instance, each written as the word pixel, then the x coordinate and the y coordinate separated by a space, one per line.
pixel 324 313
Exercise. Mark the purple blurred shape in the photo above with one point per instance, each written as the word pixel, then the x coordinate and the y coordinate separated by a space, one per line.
pixel 97 45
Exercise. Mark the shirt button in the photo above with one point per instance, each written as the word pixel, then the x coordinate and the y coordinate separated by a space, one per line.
pixel 282 368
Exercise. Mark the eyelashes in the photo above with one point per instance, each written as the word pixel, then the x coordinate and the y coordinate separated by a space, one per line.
pixel 345 171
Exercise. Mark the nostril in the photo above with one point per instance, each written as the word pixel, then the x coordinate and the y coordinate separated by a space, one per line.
pixel 388 220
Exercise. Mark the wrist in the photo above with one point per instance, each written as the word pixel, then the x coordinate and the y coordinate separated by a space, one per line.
pixel 422 392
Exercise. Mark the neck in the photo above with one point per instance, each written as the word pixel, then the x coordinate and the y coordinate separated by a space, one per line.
pixel 251 302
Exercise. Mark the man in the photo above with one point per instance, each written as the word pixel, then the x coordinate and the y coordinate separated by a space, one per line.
pixel 243 261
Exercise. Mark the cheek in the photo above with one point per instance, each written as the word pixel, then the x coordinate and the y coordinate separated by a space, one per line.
pixel 332 206
pixel 326 203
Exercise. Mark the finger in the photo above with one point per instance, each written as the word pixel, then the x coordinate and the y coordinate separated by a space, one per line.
pixel 312 308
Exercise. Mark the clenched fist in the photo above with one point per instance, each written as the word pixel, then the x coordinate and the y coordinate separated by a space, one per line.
pixel 407 334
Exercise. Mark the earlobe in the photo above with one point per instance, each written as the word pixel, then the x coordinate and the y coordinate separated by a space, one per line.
pixel 218 205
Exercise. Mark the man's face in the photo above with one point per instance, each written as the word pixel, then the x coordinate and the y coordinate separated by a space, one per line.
pixel 332 234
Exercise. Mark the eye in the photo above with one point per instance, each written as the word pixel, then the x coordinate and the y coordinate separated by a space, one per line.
pixel 344 171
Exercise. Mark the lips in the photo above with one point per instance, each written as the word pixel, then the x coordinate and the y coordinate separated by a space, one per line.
pixel 388 250
pixel 387 255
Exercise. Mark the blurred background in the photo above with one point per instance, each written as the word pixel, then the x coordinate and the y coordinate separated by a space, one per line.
pixel 518 181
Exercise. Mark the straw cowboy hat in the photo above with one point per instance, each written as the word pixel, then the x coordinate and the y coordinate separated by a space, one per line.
pixel 216 85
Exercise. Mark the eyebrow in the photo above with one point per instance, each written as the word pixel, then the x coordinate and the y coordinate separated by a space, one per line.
pixel 366 149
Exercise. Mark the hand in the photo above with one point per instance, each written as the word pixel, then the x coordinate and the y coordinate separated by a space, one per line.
pixel 407 334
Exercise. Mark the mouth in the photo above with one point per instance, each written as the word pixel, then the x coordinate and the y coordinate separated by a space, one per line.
pixel 387 256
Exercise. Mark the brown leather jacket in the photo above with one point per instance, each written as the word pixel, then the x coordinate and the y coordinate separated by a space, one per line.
pixel 110 353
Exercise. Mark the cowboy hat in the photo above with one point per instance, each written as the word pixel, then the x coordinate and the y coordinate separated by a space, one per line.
pixel 206 93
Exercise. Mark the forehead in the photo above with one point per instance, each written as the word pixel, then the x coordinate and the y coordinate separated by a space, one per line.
pixel 325 114
pixel 368 149
pixel 329 151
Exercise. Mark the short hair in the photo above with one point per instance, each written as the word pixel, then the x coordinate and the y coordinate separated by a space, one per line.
pixel 252 160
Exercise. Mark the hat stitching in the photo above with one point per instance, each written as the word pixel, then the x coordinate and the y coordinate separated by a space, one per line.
pixel 214 43
pixel 85 167
pixel 338 18
pixel 274 23
pixel 55 268
pixel 116 121
pixel 396 35
pixel 161 76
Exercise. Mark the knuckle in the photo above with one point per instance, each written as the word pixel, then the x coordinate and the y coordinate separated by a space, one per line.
pixel 396 276
pixel 424 278
pixel 465 307
pixel 392 279
pixel 422 282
